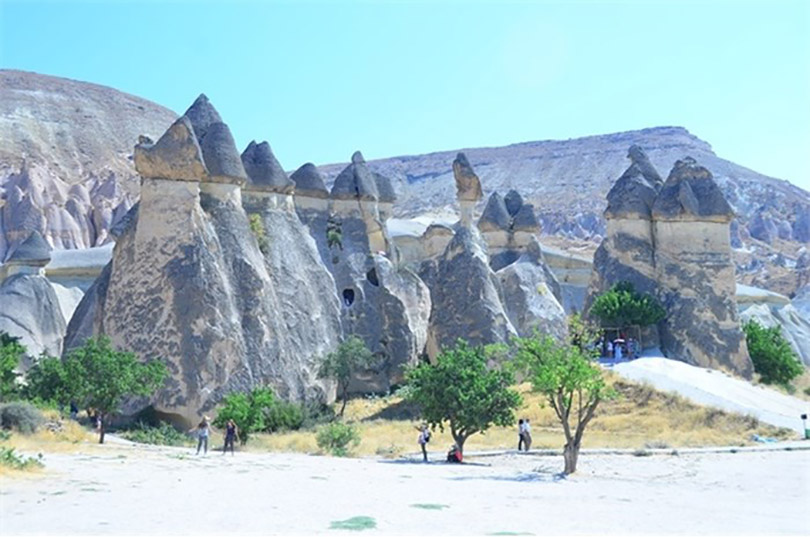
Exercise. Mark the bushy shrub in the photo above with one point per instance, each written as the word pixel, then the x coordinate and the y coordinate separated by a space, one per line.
pixel 162 434
pixel 11 352
pixel 338 438
pixel 11 459
pixel 22 416
pixel 283 416
pixel 771 354
pixel 259 411
pixel 622 306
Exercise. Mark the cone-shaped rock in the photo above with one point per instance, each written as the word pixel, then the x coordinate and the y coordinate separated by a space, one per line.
pixel 495 216
pixel 221 157
pixel 634 193
pixel 34 251
pixel 384 188
pixel 356 181
pixel 176 155
pixel 264 171
pixel 513 202
pixel 202 115
pixel 525 219
pixel 468 186
pixel 309 182
pixel 690 193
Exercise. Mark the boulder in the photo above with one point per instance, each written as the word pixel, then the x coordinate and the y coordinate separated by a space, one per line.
pixel 264 171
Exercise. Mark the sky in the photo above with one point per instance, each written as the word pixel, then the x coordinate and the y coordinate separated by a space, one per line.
pixel 319 80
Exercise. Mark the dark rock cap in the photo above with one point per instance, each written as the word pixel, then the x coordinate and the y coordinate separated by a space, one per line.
pixel 33 251
pixel 309 182
pixel 176 155
pixel 690 193
pixel 513 202
pixel 221 157
pixel 384 188
pixel 202 115
pixel 468 186
pixel 634 193
pixel 495 215
pixel 263 170
pixel 525 219
pixel 356 181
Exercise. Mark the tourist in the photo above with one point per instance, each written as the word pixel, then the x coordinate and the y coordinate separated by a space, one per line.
pixel 609 349
pixel 424 438
pixel 74 411
pixel 231 434
pixel 520 434
pixel 617 349
pixel 203 431
pixel 454 455
pixel 527 435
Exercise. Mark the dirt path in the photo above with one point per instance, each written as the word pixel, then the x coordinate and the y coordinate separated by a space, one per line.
pixel 145 490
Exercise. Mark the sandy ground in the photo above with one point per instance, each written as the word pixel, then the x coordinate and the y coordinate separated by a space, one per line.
pixel 126 490
pixel 715 388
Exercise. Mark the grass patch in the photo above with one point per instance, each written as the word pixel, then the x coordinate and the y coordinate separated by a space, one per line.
pixel 9 458
pixel 430 506
pixel 356 523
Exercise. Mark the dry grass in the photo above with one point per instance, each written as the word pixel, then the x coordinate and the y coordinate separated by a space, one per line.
pixel 640 418
pixel 58 435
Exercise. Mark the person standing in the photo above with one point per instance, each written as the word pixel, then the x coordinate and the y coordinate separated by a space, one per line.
pixel 231 434
pixel 203 431
pixel 424 438
pixel 527 435
pixel 520 434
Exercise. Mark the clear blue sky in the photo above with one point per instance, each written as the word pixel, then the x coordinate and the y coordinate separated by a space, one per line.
pixel 320 80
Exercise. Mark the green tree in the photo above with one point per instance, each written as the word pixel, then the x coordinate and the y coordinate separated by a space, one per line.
pixel 771 354
pixel 622 306
pixel 98 376
pixel 350 357
pixel 11 352
pixel 46 381
pixel 571 383
pixel 257 411
pixel 463 391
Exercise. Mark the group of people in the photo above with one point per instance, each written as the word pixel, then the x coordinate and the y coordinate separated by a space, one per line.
pixel 453 455
pixel 203 431
pixel 620 348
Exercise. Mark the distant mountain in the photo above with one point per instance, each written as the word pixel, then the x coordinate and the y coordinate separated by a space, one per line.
pixel 66 170
pixel 568 181
pixel 65 157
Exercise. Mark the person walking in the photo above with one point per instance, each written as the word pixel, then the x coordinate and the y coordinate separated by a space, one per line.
pixel 231 434
pixel 520 435
pixel 527 435
pixel 424 438
pixel 203 431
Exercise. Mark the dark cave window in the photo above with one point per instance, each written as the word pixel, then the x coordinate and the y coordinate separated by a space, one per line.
pixel 348 297
pixel 371 276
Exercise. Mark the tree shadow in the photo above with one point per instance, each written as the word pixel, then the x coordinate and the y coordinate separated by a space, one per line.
pixel 402 410
pixel 523 477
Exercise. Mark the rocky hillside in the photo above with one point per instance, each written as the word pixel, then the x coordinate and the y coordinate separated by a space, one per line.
pixel 65 157
pixel 568 181
pixel 66 171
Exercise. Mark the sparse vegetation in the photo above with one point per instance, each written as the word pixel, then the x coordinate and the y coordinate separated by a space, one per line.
pixel 162 434
pixel 257 228
pixel 11 459
pixel 350 357
pixel 771 354
pixel 338 438
pixel 21 416
pixel 462 391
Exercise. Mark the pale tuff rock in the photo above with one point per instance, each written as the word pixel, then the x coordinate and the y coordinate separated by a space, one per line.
pixel 264 171
pixel 633 194
pixel 356 182
pixel 468 188
pixel 176 156
pixel 508 226
pixel 466 297
pixel 29 307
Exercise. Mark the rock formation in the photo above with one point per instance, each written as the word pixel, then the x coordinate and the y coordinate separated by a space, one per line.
pixel 29 307
pixel 188 283
pixel 695 271
pixel 508 226
pixel 674 243
pixel 532 296
pixel 468 188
